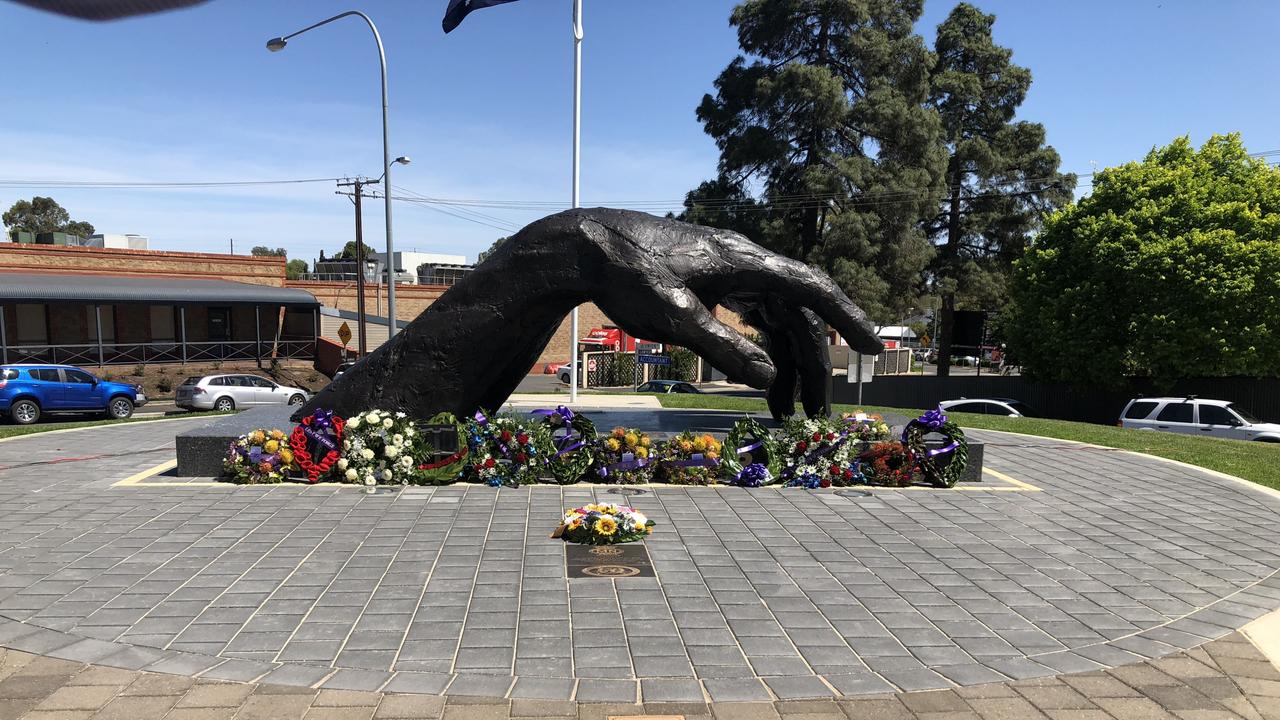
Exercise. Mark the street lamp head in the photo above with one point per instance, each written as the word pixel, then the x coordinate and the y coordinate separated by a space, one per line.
pixel 276 44
pixel 403 160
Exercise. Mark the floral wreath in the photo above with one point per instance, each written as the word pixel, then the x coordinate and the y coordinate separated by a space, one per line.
pixel 818 454
pixel 888 463
pixel 378 448
pixel 573 437
pixel 689 459
pixel 432 470
pixel 866 429
pixel 257 457
pixel 943 466
pixel 624 457
pixel 325 430
pixel 506 450
pixel 604 524
pixel 749 444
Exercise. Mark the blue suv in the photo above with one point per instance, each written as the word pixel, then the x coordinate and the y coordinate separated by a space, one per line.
pixel 29 391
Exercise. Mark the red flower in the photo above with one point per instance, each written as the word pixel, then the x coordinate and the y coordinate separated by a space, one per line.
pixel 476 468
pixel 831 436
pixel 521 458
pixel 522 439
pixel 505 436
pixel 489 463
pixel 817 437
pixel 848 474
pixel 835 469
pixel 802 446
pixel 826 482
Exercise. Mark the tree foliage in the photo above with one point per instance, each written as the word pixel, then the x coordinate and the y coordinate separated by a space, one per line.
pixel 1001 176
pixel 492 248
pixel 295 269
pixel 1170 268
pixel 824 117
pixel 44 215
pixel 264 251
pixel 349 251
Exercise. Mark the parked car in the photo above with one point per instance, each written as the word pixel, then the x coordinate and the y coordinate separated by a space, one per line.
pixel 228 392
pixel 29 391
pixel 989 406
pixel 562 371
pixel 668 386
pixel 1197 416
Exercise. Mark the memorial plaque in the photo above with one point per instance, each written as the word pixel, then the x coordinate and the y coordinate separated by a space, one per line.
pixel 608 561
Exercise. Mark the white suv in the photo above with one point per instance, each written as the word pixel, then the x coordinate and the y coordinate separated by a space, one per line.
pixel 1194 416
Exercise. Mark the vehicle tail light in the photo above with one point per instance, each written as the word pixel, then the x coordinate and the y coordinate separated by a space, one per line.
pixel 3 383
pixel 197 391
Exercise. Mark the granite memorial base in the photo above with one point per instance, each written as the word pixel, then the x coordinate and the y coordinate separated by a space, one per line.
pixel 201 450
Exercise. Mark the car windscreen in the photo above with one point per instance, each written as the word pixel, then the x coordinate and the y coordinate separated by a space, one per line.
pixel 1244 414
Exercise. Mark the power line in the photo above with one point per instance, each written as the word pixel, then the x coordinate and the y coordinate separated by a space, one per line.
pixel 105 185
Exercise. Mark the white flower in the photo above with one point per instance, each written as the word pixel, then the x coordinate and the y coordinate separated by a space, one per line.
pixel 406 461
pixel 352 475
pixel 367 454
pixel 397 439
pixel 353 423
pixel 410 431
pixel 343 463
pixel 373 418
pixel 388 423
pixel 386 475
pixel 400 415
pixel 368 480
pixel 391 451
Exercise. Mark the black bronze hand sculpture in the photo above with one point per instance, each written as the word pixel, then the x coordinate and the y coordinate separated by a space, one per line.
pixel 655 278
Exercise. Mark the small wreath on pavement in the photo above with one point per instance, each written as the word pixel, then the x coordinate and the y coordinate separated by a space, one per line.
pixel 941 466
pixel 887 463
pixel 318 436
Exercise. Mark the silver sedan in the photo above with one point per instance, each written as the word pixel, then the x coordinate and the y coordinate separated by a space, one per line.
pixel 230 392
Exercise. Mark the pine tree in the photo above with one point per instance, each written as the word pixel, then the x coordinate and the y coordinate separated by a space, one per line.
pixel 1002 178
pixel 825 118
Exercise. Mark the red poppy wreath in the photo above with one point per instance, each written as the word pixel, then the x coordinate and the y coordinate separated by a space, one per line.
pixel 319 434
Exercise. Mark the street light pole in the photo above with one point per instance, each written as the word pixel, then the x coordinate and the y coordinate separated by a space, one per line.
pixel 574 358
pixel 277 44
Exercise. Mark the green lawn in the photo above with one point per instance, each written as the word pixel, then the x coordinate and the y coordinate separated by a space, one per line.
pixel 1254 461
pixel 8 431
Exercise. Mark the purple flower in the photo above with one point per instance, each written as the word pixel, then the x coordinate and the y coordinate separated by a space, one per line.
pixel 753 475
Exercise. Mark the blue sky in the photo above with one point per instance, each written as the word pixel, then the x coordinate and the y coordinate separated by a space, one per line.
pixel 484 112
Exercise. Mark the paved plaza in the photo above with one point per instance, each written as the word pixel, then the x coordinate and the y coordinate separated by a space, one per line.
pixel 1066 562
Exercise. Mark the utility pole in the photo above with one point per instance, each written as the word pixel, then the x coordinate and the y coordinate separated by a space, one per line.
pixel 233 246
pixel 357 186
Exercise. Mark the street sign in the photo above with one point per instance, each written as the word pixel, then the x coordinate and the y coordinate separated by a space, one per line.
pixel 344 333
pixel 591 366
pixel 654 360
pixel 648 348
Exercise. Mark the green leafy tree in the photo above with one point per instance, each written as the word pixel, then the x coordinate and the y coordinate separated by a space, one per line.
pixel 492 248
pixel 44 215
pixel 1002 178
pixel 264 251
pixel 295 269
pixel 1170 268
pixel 824 117
pixel 349 251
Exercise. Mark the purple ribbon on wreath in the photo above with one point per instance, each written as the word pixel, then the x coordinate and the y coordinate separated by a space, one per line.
pixel 931 421
pixel 321 429
pixel 565 444
pixel 748 448
pixel 753 475
pixel 627 463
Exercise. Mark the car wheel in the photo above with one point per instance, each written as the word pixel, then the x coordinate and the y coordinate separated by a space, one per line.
pixel 296 400
pixel 24 412
pixel 120 408
pixel 224 404
pixel 565 378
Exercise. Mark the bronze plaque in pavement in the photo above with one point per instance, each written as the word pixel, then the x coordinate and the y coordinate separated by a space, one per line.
pixel 608 561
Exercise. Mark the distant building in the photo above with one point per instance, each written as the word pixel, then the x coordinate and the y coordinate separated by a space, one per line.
pixel 442 274
pixel 128 241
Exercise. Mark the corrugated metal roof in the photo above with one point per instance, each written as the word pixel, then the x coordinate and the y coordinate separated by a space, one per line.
pixel 35 287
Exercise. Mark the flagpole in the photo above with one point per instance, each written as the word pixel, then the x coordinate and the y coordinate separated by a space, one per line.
pixel 577 145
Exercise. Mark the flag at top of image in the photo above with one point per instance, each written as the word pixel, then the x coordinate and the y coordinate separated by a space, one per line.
pixel 459 9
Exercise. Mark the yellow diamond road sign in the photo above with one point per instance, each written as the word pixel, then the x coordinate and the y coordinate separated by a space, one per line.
pixel 344 333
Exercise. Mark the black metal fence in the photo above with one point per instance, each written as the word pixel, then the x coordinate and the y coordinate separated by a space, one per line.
pixel 1061 401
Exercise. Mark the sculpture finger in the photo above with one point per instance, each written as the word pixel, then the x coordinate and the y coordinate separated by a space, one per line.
pixel 781 395
pixel 678 317
pixel 808 338
pixel 756 269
